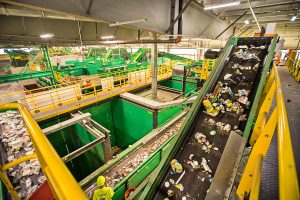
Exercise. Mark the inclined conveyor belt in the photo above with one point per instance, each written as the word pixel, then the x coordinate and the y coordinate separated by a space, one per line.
pixel 135 158
pixel 245 67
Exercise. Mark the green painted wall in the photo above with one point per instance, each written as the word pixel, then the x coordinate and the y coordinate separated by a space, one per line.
pixel 126 122
pixel 65 141
pixel 102 113
pixel 167 114
pixel 178 85
pixel 131 122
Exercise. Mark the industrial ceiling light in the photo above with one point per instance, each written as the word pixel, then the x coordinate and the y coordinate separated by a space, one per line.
pixel 247 22
pixel 128 22
pixel 185 39
pixel 46 35
pixel 107 37
pixel 113 42
pixel 235 3
pixel 293 18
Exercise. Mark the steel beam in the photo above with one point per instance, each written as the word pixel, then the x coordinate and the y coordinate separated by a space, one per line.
pixel 82 150
pixel 39 8
pixel 263 9
pixel 154 68
pixel 179 24
pixel 245 31
pixel 178 16
pixel 99 132
pixel 63 13
pixel 231 25
pixel 172 15
pixel 64 124
pixel 88 11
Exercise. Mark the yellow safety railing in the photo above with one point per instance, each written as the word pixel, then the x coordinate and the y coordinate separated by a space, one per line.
pixel 205 71
pixel 61 181
pixel 63 98
pixel 293 64
pixel 61 77
pixel 260 140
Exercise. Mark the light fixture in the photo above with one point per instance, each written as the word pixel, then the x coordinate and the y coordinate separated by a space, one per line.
pixel 185 39
pixel 128 22
pixel 47 35
pixel 222 5
pixel 293 18
pixel 112 42
pixel 107 37
pixel 247 22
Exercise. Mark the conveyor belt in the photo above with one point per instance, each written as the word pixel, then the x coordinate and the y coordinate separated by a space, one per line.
pixel 196 183
pixel 137 157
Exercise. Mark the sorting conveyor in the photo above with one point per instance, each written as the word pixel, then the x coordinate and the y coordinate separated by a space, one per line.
pixel 227 146
pixel 135 160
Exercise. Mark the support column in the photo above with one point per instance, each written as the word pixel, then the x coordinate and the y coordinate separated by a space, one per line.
pixel 154 67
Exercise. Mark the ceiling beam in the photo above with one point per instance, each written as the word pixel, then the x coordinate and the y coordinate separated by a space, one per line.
pixel 230 25
pixel 260 4
pixel 266 13
pixel 88 11
pixel 178 16
pixel 237 11
pixel 39 8
pixel 59 12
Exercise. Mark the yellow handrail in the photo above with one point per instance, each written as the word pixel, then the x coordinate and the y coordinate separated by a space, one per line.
pixel 61 181
pixel 256 178
pixel 38 103
pixel 264 130
pixel 288 182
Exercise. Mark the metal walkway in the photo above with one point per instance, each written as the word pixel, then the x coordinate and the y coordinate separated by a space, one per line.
pixel 269 182
pixel 71 95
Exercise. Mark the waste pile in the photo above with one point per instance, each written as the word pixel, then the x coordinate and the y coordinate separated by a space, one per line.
pixel 146 152
pixel 136 158
pixel 16 143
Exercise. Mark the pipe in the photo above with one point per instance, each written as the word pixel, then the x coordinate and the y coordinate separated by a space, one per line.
pixel 154 67
pixel 175 41
pixel 249 4
pixel 127 22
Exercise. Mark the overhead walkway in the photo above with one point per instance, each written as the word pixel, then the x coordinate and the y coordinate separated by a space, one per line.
pixel 71 95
